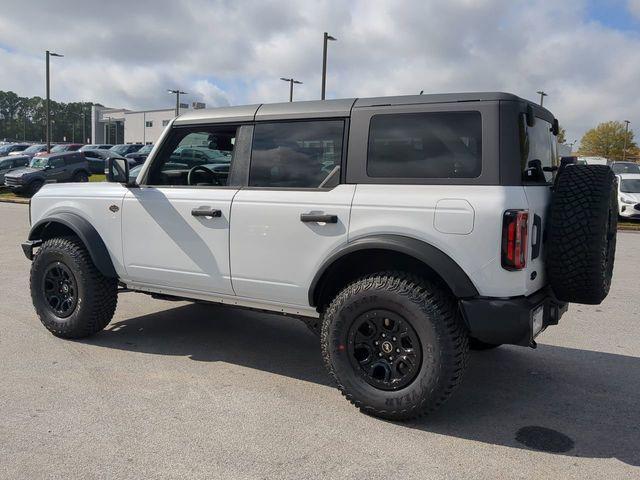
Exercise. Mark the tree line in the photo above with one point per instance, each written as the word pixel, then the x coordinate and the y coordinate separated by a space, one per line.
pixel 23 119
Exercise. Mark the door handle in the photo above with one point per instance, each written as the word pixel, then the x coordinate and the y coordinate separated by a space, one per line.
pixel 206 212
pixel 318 217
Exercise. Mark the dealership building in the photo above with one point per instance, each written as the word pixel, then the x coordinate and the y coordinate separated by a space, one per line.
pixel 119 125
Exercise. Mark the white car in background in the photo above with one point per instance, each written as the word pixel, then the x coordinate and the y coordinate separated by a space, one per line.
pixel 629 195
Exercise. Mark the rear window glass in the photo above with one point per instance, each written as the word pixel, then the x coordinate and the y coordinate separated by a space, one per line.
pixel 537 143
pixel 425 145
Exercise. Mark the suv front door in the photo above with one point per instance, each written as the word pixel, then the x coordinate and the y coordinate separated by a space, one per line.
pixel 175 227
pixel 294 212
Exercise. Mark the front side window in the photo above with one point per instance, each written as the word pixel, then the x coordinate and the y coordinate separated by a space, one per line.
pixel 304 154
pixel 425 145
pixel 199 156
pixel 5 164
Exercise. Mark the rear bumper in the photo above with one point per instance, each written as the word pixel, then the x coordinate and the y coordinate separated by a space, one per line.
pixel 511 320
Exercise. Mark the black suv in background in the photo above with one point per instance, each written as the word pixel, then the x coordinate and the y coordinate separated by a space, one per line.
pixel 126 148
pixel 49 168
pixel 141 155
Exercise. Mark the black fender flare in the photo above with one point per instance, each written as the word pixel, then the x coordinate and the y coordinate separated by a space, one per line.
pixel 441 263
pixel 87 234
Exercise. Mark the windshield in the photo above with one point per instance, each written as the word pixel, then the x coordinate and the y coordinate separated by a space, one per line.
pixel 146 149
pixel 59 148
pixel 625 168
pixel 38 162
pixel 87 147
pixel 630 186
pixel 5 149
pixel 33 149
pixel 120 149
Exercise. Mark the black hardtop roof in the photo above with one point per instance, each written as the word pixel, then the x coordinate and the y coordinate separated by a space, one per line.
pixel 334 108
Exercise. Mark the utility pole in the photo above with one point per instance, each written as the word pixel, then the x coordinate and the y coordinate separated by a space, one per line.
pixel 542 94
pixel 177 93
pixel 48 119
pixel 626 135
pixel 291 82
pixel 327 37
pixel 84 122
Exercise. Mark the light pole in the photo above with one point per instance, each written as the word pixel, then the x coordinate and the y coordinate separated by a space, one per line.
pixel 626 135
pixel 542 94
pixel 48 120
pixel 291 82
pixel 177 93
pixel 327 37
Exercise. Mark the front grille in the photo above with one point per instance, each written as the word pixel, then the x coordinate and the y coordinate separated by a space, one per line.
pixel 9 181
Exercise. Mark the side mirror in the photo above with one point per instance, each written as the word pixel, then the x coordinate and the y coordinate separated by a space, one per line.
pixel 555 128
pixel 117 170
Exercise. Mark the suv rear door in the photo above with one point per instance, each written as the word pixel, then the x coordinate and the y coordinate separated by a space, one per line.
pixel 294 212
pixel 537 142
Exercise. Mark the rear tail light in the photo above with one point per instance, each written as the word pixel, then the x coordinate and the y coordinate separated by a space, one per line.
pixel 514 239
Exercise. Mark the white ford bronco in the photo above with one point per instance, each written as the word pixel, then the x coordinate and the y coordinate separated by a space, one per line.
pixel 403 230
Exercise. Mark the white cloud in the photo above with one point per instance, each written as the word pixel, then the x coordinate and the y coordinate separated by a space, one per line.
pixel 125 53
pixel 634 8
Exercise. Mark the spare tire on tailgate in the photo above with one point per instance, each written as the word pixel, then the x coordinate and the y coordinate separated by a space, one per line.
pixel 581 233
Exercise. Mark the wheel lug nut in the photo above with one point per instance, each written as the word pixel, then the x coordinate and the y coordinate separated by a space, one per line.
pixel 379 354
pixel 383 335
pixel 390 358
pixel 377 342
pixel 394 339
pixel 397 350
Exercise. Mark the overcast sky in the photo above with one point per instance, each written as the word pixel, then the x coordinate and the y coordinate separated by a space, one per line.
pixel 584 53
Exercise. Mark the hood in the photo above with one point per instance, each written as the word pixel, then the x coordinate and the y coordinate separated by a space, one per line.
pixel 633 196
pixel 19 172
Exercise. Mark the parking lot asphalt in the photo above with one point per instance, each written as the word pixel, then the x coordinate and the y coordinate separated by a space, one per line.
pixel 179 390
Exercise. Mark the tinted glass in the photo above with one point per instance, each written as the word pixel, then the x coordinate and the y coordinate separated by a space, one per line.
pixel 56 162
pixel 6 164
pixel 537 143
pixel 630 186
pixel 425 145
pixel 195 157
pixel 625 168
pixel 297 154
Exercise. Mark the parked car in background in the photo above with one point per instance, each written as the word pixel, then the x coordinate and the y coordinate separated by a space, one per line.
pixel 12 147
pixel 141 155
pixel 97 159
pixel 31 151
pixel 592 161
pixel 133 173
pixel 97 146
pixel 49 168
pixel 126 148
pixel 624 167
pixel 629 195
pixel 10 163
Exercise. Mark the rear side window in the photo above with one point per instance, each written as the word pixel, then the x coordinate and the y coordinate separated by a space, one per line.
pixel 537 143
pixel 425 145
pixel 304 154
pixel 71 159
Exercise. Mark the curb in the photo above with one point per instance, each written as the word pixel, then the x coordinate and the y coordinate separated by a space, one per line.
pixel 24 201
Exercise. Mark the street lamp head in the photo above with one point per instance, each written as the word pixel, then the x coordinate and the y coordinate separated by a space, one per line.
pixel 176 91
pixel 285 79
pixel 52 54
pixel 296 81
pixel 329 37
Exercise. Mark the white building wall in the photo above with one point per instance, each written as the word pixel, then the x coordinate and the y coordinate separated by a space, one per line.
pixel 136 129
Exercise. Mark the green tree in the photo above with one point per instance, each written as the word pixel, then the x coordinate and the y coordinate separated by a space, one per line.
pixel 607 140
pixel 562 135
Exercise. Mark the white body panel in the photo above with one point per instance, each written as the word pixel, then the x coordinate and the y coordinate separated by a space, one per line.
pixel 167 246
pixel 90 201
pixel 410 210
pixel 274 256
pixel 628 202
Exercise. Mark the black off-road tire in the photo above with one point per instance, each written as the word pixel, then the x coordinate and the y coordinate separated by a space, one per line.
pixel 479 345
pixel 435 319
pixel 34 186
pixel 581 235
pixel 97 295
pixel 81 177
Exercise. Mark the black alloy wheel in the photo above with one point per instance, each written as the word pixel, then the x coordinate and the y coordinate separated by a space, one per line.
pixel 60 289
pixel 385 349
